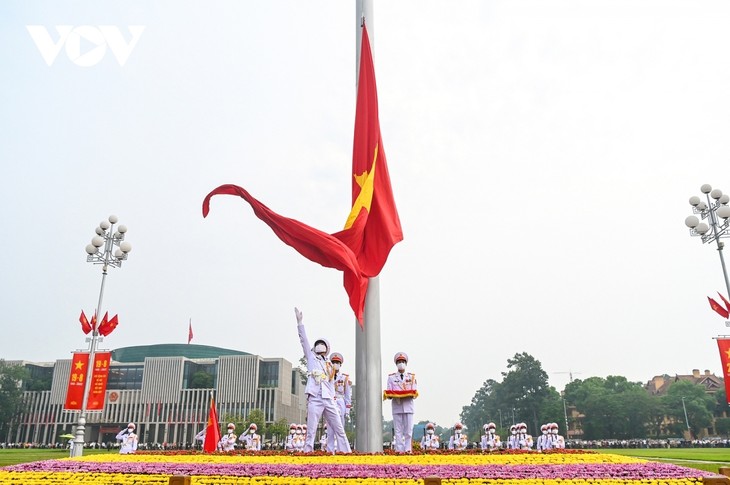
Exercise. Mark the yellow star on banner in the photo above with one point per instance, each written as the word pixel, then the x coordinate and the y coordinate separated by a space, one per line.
pixel 366 181
pixel 79 365
pixel 728 353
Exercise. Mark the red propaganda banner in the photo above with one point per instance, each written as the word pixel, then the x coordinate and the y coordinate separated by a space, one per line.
pixel 75 390
pixel 99 376
pixel 724 346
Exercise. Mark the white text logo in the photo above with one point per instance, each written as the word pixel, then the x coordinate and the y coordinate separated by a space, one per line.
pixel 95 40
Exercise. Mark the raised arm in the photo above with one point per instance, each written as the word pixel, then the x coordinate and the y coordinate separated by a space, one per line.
pixel 306 348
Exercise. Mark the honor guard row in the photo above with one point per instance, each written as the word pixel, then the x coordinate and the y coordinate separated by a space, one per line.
pixel 550 439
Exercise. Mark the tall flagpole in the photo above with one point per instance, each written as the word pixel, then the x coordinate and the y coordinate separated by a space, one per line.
pixel 368 366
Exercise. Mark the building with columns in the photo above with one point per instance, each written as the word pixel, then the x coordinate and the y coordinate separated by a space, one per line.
pixel 158 388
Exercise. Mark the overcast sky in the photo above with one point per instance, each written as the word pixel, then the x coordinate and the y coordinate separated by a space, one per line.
pixel 542 154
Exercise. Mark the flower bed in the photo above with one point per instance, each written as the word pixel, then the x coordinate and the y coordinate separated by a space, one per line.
pixel 278 468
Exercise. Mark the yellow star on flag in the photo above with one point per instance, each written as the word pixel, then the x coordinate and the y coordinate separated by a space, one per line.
pixel 79 365
pixel 365 180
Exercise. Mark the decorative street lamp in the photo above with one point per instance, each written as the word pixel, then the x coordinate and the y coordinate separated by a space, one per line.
pixel 717 212
pixel 686 419
pixel 100 251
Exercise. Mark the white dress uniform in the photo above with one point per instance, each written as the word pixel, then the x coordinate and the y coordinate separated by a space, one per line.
pixel 430 441
pixel 557 440
pixel 251 440
pixel 402 406
pixel 289 441
pixel 129 440
pixel 512 441
pixel 228 441
pixel 343 398
pixel 458 440
pixel 320 391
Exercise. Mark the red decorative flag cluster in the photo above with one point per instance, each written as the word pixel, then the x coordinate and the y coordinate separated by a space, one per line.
pixel 724 345
pixel 105 327
pixel 723 311
pixel 372 227
pixel 212 429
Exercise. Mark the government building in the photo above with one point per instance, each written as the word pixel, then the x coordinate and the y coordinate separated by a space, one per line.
pixel 165 390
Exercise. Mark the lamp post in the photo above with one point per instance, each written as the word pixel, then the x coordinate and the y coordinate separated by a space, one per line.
pixel 686 419
pixel 717 212
pixel 100 251
pixel 565 415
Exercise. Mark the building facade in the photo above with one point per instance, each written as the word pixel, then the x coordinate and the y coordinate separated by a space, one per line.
pixel 158 387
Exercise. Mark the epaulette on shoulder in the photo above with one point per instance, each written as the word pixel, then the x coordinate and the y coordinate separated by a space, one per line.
pixel 392 374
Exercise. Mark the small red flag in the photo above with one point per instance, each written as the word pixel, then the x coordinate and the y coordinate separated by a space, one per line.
pixel 727 303
pixel 85 325
pixel 190 331
pixel 108 327
pixel 103 324
pixel 723 312
pixel 212 430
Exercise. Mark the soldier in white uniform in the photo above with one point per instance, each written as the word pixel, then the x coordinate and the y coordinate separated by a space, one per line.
pixel 512 443
pixel 558 441
pixel 299 438
pixel 430 440
pixel 320 390
pixel 343 395
pixel 129 440
pixel 228 440
pixel 251 440
pixel 494 441
pixel 458 440
pixel 289 444
pixel 524 440
pixel 404 383
pixel 484 441
pixel 543 441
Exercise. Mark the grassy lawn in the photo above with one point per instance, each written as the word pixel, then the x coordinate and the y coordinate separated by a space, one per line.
pixel 708 459
pixel 13 457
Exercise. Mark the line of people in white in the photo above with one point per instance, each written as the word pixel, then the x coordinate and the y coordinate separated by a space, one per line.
pixel 329 397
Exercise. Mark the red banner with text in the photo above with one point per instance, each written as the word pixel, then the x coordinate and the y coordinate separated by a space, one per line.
pixel 97 386
pixel 724 345
pixel 75 390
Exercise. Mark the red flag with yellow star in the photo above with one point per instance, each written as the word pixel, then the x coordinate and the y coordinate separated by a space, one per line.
pixel 372 227
pixel 212 429
pixel 721 310
pixel 724 346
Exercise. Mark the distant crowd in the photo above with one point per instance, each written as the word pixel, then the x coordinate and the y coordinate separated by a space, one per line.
pixel 648 443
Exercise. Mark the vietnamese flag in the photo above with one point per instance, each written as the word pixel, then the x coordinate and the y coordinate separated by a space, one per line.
pixel 212 430
pixel 723 345
pixel 372 227
pixel 108 327
pixel 718 308
pixel 85 325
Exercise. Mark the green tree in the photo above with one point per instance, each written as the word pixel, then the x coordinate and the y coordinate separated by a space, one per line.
pixel 525 387
pixel 201 380
pixel 685 395
pixel 484 405
pixel 11 394
pixel 613 407
pixel 721 405
pixel 722 426
pixel 278 430
pixel 256 416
